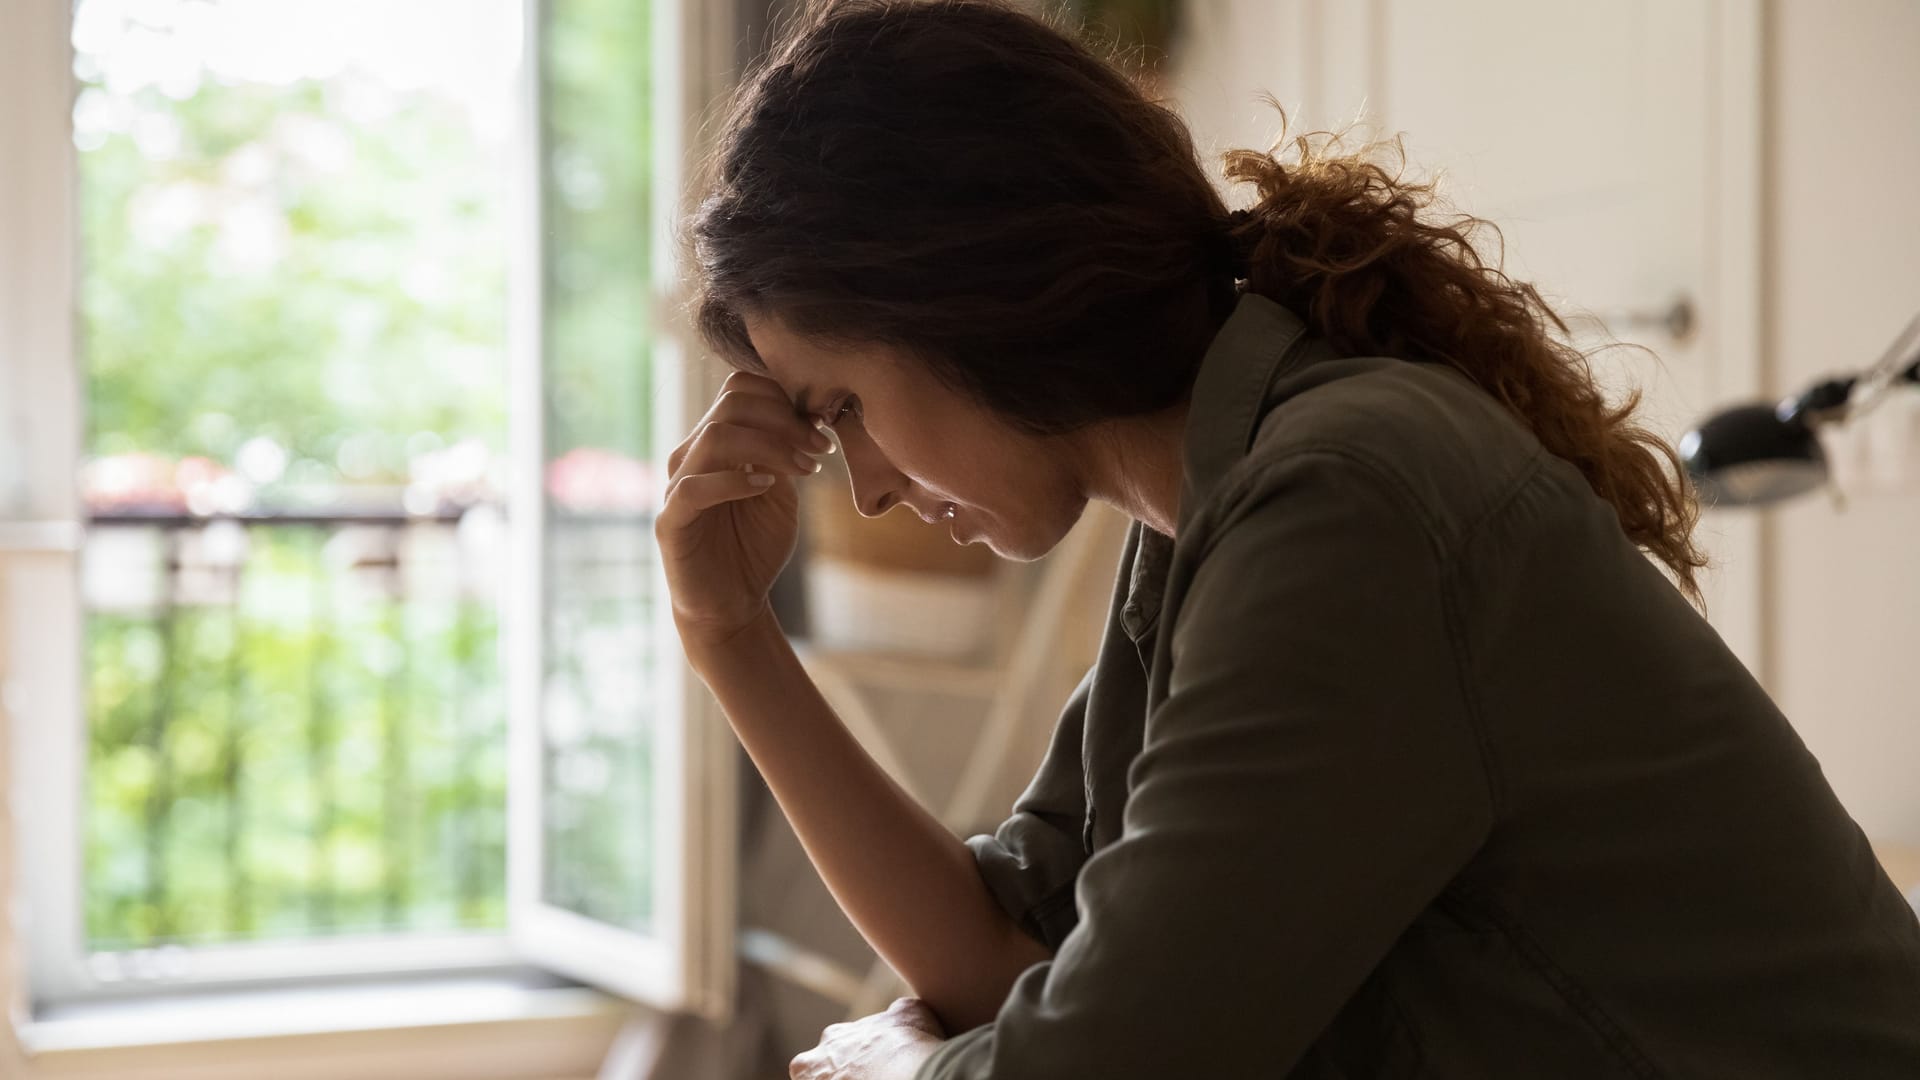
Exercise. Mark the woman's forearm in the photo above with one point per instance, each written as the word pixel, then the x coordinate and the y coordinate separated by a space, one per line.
pixel 909 885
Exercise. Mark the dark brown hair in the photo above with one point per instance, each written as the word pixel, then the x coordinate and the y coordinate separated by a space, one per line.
pixel 968 183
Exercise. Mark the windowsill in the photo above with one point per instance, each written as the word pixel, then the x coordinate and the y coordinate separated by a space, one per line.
pixel 206 1017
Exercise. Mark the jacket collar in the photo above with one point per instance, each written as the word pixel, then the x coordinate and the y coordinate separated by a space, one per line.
pixel 1260 341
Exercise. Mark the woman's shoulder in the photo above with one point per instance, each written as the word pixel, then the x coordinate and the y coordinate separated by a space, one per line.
pixel 1449 449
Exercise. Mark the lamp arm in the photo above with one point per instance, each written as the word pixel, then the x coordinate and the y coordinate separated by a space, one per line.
pixel 1900 363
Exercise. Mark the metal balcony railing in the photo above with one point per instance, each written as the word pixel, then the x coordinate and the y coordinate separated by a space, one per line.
pixel 296 725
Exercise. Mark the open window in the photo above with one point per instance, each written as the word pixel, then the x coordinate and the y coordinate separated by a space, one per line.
pixel 340 350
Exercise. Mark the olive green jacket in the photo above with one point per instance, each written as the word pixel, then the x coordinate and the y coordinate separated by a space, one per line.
pixel 1403 761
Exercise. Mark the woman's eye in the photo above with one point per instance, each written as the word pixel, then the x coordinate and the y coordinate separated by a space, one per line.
pixel 845 409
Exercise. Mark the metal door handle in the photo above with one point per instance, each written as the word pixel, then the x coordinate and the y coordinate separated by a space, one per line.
pixel 1676 319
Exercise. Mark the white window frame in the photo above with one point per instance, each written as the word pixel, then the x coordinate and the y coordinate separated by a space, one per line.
pixel 689 966
pixel 38 244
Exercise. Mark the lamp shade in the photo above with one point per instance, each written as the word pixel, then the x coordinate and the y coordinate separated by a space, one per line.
pixel 1754 454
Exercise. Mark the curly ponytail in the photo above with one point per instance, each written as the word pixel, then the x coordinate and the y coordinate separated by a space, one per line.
pixel 1341 241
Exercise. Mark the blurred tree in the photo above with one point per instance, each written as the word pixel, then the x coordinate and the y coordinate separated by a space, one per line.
pixel 268 267
pixel 304 281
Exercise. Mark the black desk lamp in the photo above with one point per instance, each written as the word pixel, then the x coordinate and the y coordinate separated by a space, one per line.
pixel 1755 454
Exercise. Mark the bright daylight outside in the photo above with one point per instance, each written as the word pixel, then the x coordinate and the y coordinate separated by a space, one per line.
pixel 297 237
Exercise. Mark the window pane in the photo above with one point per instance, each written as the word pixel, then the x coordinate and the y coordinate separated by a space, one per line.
pixel 293 298
pixel 597 711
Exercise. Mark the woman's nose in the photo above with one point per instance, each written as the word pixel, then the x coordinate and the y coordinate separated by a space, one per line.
pixel 877 485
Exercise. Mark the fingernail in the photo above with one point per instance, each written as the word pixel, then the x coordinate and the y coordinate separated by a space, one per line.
pixel 760 479
pixel 821 437
pixel 806 462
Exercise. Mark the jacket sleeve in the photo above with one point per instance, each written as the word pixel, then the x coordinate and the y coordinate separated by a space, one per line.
pixel 1029 863
pixel 1309 783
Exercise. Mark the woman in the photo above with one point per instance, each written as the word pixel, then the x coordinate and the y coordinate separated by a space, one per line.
pixel 1400 756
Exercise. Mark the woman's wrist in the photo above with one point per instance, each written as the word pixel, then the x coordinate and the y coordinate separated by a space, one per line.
pixel 712 651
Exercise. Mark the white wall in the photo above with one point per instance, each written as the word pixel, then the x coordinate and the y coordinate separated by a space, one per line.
pixel 1842 278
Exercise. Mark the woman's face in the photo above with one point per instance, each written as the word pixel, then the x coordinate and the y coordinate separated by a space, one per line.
pixel 910 439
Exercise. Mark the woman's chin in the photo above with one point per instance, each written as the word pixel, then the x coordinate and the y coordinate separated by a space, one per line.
pixel 1022 548
pixel 1024 538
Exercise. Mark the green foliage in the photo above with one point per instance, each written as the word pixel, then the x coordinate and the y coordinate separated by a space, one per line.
pixel 323 264
pixel 320 755
pixel 266 266
pixel 287 272
pixel 597 131
pixel 598 819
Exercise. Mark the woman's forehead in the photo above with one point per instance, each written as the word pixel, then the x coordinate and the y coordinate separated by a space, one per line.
pixel 799 361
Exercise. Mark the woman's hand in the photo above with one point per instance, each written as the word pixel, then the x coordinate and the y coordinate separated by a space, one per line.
pixel 731 515
pixel 885 1046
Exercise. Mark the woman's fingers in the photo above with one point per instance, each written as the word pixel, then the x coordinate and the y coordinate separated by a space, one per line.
pixel 752 382
pixel 747 404
pixel 774 414
pixel 718 446
pixel 704 491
